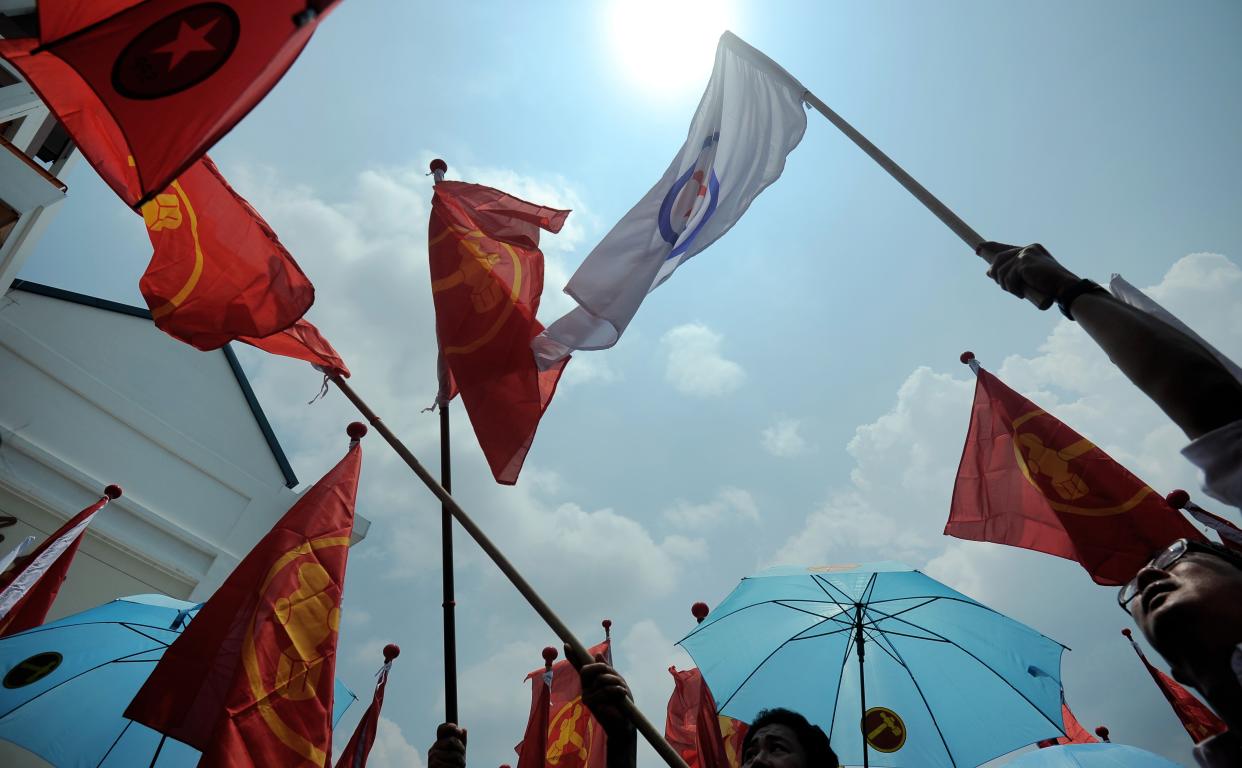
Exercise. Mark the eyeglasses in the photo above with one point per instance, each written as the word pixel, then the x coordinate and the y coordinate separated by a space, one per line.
pixel 1161 562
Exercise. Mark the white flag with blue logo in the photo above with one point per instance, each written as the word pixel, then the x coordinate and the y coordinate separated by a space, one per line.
pixel 751 117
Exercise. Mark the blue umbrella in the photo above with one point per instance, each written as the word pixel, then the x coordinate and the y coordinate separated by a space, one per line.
pixel 938 679
pixel 65 685
pixel 1092 756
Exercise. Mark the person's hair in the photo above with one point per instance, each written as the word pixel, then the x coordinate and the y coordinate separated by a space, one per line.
pixel 1231 556
pixel 814 741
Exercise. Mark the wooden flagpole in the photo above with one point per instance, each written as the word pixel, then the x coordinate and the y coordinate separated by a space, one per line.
pixel 641 723
pixel 438 167
pixel 933 204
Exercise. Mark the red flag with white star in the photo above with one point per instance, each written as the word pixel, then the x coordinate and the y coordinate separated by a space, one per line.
pixel 158 80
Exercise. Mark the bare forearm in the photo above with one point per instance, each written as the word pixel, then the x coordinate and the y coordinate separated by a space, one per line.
pixel 1174 370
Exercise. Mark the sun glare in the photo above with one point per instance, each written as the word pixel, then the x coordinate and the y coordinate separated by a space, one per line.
pixel 666 46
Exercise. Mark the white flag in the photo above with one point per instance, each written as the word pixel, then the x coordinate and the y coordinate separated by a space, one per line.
pixel 1128 294
pixel 750 118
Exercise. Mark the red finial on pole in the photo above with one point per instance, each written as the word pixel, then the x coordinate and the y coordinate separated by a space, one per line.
pixel 112 491
pixel 699 610
pixel 966 357
pixel 438 169
pixel 1102 732
pixel 1177 498
pixel 549 656
pixel 356 430
pixel 607 625
pixel 391 651
pixel 1127 633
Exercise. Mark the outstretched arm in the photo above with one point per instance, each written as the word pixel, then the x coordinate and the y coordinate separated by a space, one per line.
pixel 1174 370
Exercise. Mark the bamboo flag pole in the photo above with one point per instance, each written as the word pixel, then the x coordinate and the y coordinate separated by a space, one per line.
pixel 933 204
pixel 644 726
pixel 438 167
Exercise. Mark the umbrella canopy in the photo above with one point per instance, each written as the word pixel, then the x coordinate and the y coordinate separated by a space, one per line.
pixel 65 685
pixel 1092 756
pixel 948 681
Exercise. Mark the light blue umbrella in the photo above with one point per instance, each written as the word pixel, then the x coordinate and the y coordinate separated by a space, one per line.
pixel 1092 756
pixel 65 685
pixel 948 681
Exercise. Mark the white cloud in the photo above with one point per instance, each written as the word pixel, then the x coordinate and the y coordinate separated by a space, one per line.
pixel 391 750
pixel 729 502
pixel 695 365
pixel 782 438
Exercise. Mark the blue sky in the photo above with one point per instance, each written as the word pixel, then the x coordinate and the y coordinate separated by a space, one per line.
pixel 790 395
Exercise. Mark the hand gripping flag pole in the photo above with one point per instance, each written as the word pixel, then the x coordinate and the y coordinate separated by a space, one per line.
pixel 575 646
pixel 438 168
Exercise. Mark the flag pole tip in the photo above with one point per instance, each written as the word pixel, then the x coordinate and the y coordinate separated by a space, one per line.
pixel 966 357
pixel 549 655
pixel 699 610
pixel 1102 732
pixel 439 165
pixel 113 491
pixel 607 625
pixel 356 430
pixel 1177 498
pixel 391 651
pixel 1126 632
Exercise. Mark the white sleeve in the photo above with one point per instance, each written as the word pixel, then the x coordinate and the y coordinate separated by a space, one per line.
pixel 1218 454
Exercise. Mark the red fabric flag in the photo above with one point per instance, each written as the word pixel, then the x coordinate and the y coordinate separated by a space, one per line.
pixel 533 749
pixel 359 746
pixel 30 586
pixel 158 81
pixel 695 730
pixel 575 739
pixel 486 280
pixel 1074 732
pixel 304 342
pixel 1029 481
pixel 218 272
pixel 250 680
pixel 1199 721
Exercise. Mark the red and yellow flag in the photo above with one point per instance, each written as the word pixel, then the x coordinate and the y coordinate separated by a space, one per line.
pixel 695 730
pixel 158 81
pixel 1074 732
pixel 533 749
pixel 574 738
pixel 1199 721
pixel 250 680
pixel 1028 480
pixel 486 280
pixel 219 272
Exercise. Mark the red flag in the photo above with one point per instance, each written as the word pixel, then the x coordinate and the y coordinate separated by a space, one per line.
pixel 30 586
pixel 575 738
pixel 250 680
pixel 158 81
pixel 1199 721
pixel 359 746
pixel 695 730
pixel 1074 732
pixel 1029 481
pixel 486 280
pixel 533 749
pixel 219 272
pixel 304 342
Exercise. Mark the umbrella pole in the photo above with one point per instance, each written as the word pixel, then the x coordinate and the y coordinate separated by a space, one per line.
pixel 575 646
pixel 862 687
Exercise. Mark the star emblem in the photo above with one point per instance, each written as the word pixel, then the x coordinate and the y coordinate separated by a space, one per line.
pixel 189 40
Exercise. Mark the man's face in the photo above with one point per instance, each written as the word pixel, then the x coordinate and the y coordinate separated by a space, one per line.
pixel 774 746
pixel 1191 611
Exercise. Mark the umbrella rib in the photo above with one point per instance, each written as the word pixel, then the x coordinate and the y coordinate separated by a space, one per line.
pixel 836 697
pixel 927 706
pixel 119 736
pixel 133 629
pixel 822 583
pixel 758 666
pixel 75 677
pixel 824 634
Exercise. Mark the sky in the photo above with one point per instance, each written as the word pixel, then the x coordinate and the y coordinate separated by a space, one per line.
pixel 793 394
